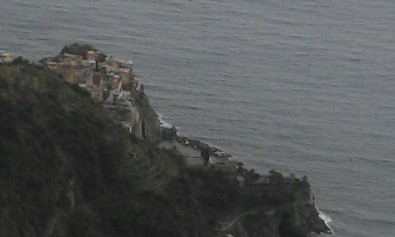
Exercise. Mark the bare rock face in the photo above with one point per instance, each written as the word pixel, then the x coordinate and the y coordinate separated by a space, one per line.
pixel 149 124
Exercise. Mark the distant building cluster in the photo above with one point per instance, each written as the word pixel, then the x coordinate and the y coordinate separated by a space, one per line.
pixel 103 80
pixel 111 82
pixel 5 57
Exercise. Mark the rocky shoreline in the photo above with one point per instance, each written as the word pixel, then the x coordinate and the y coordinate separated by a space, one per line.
pixel 297 217
pixel 209 154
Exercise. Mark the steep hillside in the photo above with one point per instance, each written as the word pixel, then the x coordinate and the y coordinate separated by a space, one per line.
pixel 66 169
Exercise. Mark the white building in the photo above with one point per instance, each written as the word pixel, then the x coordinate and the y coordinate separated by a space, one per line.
pixel 5 57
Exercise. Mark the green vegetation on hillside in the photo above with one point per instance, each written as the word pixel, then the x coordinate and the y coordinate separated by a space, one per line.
pixel 66 169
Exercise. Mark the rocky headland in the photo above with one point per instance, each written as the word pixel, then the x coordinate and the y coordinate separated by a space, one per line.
pixel 79 156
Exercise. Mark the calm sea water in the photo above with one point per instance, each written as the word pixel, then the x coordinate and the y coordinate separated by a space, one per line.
pixel 300 86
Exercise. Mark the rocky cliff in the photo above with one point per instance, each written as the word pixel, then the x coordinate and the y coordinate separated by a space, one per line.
pixel 296 216
pixel 149 124
pixel 145 121
pixel 270 205
pixel 67 169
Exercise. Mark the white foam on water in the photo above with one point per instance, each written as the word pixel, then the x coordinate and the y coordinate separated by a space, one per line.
pixel 163 123
pixel 326 218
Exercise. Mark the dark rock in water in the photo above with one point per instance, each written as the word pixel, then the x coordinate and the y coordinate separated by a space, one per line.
pixel 169 133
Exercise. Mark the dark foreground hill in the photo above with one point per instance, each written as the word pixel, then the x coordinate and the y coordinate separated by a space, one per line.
pixel 66 169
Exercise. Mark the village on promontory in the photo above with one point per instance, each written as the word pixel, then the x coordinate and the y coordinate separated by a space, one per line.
pixel 108 80
pixel 113 83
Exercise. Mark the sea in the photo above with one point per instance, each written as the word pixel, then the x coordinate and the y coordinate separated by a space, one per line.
pixel 300 86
